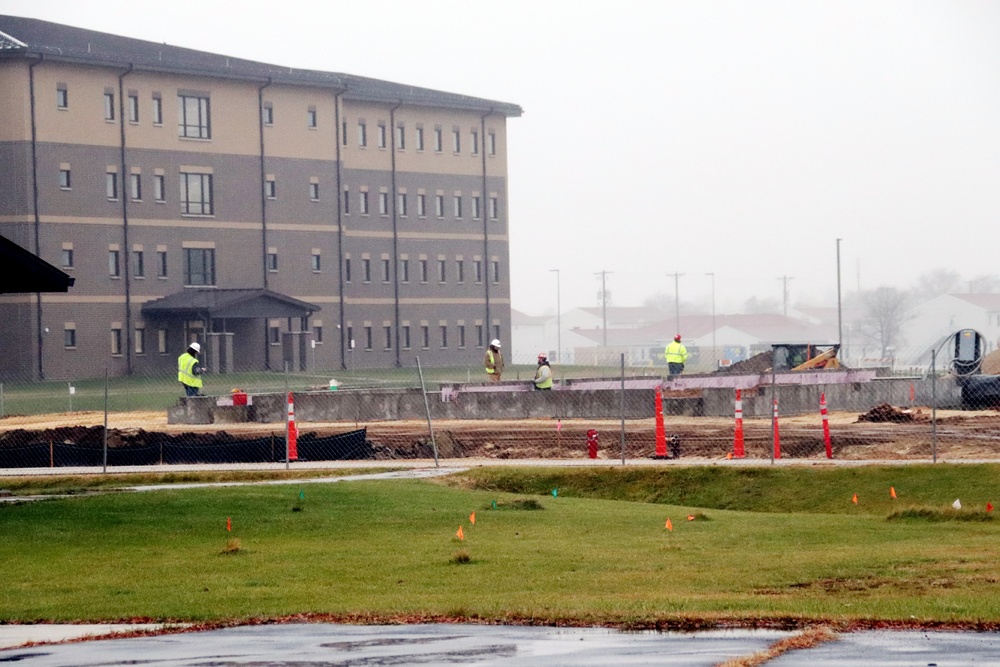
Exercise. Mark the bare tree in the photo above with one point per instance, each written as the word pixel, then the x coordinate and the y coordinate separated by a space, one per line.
pixel 886 310
pixel 935 283
pixel 987 284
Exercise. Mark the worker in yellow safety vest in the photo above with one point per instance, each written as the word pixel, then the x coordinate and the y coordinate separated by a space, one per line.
pixel 189 371
pixel 494 361
pixel 543 374
pixel 676 354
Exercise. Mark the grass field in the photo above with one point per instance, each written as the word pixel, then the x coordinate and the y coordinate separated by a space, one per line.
pixel 785 546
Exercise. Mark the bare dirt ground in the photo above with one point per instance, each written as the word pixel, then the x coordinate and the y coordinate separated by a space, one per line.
pixel 959 435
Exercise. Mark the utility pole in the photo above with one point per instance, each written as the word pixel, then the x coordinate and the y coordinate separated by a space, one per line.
pixel 558 319
pixel 840 312
pixel 677 302
pixel 784 291
pixel 715 353
pixel 604 304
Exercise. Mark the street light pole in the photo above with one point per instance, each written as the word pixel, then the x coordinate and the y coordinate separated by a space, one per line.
pixel 840 318
pixel 677 302
pixel 558 319
pixel 715 353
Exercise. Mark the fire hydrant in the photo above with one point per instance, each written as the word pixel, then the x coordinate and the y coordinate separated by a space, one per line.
pixel 592 443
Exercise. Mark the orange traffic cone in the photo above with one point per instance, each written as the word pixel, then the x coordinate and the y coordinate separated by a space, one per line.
pixel 826 424
pixel 661 435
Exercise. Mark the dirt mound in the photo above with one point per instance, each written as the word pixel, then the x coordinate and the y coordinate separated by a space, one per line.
pixel 756 364
pixel 991 363
pixel 886 413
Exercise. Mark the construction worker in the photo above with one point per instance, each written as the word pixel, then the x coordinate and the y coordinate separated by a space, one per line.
pixel 676 354
pixel 189 371
pixel 494 361
pixel 543 374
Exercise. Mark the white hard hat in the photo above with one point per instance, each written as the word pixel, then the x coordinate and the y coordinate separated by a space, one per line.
pixel 195 346
pixel 495 343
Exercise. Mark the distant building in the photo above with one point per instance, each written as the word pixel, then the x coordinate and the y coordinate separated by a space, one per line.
pixel 278 216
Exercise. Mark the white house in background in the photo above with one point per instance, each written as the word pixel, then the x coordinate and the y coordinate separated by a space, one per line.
pixel 529 335
pixel 932 320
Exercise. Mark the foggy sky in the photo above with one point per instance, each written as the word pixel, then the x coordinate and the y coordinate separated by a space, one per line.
pixel 658 137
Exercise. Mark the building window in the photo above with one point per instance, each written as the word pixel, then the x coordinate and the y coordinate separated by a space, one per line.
pixel 362 134
pixel 272 261
pixel 196 194
pixel 65 179
pixel 140 340
pixel 475 207
pixel 314 191
pixel 401 205
pixel 133 108
pixel 267 114
pixel 460 270
pixel 496 331
pixel 423 270
pixel 274 335
pixel 425 336
pixel 478 264
pixel 442 274
pixel 135 185
pixel 114 264
pixel 270 189
pixel 401 137
pixel 496 272
pixel 368 338
pixel 161 263
pixel 383 203
pixel 67 258
pixel 406 336
pixel 157 110
pixel 161 341
pixel 475 142
pixel 343 133
pixel 69 338
pixel 456 141
pixel 109 106
pixel 347 201
pixel 386 270
pixel 439 205
pixel 317 264
pixel 116 341
pixel 491 143
pixel 193 117
pixel 458 206
pixel 138 264
pixel 366 270
pixel 159 189
pixel 381 136
pixel 421 205
pixel 404 270
pixel 311 119
pixel 363 201
pixel 444 336
pixel 420 138
pixel 347 269
pixel 318 334
pixel 111 185
pixel 479 335
pixel 438 139
pixel 494 208
pixel 199 266
pixel 350 338
pixel 62 97
pixel 461 335
pixel 387 332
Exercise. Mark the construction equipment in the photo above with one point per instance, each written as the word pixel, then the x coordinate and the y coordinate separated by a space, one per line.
pixel 802 357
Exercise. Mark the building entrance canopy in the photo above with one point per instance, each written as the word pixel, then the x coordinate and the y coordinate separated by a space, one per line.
pixel 228 304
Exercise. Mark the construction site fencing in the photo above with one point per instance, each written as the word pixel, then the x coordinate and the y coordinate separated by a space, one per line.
pixel 615 413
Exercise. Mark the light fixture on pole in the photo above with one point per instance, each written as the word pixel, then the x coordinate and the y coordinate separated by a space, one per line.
pixel 715 353
pixel 558 319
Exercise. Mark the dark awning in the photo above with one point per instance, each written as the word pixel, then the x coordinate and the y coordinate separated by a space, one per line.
pixel 198 303
pixel 24 272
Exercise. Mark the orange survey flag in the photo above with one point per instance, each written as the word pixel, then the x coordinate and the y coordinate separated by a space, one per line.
pixel 229 523
pixel 855 499
pixel 690 517
pixel 989 507
pixel 460 534
pixel 892 492
pixel 670 526
pixel 472 518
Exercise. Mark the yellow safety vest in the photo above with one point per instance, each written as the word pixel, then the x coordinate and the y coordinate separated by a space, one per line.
pixel 185 371
pixel 491 369
pixel 675 353
pixel 547 382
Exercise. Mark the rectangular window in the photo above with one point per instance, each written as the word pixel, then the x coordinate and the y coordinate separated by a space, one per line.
pixel 161 263
pixel 62 97
pixel 347 201
pixel 347 269
pixel 272 261
pixel 312 120
pixel 458 207
pixel 161 341
pixel 401 204
pixel 405 333
pixel 383 203
pixel 116 341
pixel 67 258
pixel 135 185
pixel 491 143
pixel 420 138
pixel 381 136
pixel 386 270
pixel 439 205
pixel 496 331
pixel 350 338
pixel 475 207
pixel 444 335
pixel 494 208
pixel 460 270
pixel 362 134
pixel 69 338
pixel 478 264
pixel 274 335
pixel 401 137
pixel 114 264
pixel 196 194
pixel 109 106
pixel 363 201
pixel 133 108
pixel 271 189
pixel 404 270
pixel 343 133
pixel 438 139
pixel 366 269
pixel 314 191
pixel 496 271
pixel 140 340
pixel 159 187
pixel 193 117
pixel 442 273
pixel 475 142
pixel 111 185
pixel 423 270
pixel 425 336
pixel 368 338
pixel 387 334
pixel 138 263
pixel 456 141
pixel 421 205
pixel 157 110
pixel 65 180
pixel 461 335
pixel 318 334
pixel 317 262
pixel 479 335
pixel 199 266
pixel 267 113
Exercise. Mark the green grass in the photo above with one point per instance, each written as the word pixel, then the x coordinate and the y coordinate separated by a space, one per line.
pixel 389 549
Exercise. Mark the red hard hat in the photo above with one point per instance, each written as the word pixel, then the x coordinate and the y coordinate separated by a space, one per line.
pixel 542 355
pixel 677 338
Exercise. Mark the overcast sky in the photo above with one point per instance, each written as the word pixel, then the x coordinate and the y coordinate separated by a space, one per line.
pixel 739 138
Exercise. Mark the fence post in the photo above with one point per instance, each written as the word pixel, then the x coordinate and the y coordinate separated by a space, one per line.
pixel 427 409
pixel 934 406
pixel 623 408
pixel 285 364
pixel 774 411
pixel 105 447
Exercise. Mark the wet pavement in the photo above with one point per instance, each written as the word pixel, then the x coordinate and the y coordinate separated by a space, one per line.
pixel 328 645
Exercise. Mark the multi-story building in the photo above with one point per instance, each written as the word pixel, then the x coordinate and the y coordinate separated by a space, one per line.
pixel 275 215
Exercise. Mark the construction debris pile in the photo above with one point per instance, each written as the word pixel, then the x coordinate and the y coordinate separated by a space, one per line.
pixel 886 413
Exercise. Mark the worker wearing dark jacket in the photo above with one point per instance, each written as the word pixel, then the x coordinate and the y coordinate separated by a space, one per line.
pixel 189 370
pixel 676 354
pixel 493 361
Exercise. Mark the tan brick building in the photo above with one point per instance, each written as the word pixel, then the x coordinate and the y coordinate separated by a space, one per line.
pixel 272 214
